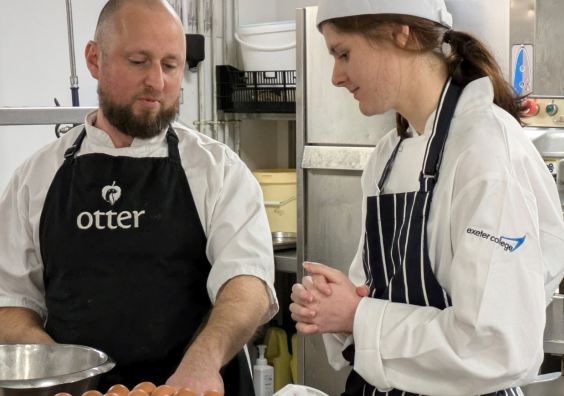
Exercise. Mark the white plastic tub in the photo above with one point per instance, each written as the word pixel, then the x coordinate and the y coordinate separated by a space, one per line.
pixel 279 193
pixel 267 46
pixel 299 390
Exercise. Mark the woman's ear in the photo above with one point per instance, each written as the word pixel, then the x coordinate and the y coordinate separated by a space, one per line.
pixel 401 35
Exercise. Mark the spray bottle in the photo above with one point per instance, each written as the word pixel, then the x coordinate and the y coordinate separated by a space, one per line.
pixel 263 375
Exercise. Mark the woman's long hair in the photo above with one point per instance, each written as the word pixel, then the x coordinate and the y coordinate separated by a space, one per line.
pixel 467 60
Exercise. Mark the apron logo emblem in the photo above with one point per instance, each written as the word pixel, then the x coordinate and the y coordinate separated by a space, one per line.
pixel 111 193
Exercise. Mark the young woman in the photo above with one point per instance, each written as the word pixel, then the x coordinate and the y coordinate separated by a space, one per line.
pixel 463 239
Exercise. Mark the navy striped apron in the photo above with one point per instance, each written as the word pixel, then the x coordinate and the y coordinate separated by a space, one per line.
pixel 395 256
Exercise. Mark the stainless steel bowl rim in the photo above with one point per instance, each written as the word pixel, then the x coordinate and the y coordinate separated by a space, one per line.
pixel 47 382
pixel 283 234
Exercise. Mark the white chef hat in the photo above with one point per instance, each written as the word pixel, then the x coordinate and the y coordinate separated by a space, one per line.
pixel 434 10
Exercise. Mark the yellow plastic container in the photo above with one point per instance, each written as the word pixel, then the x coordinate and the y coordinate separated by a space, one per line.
pixel 278 356
pixel 280 198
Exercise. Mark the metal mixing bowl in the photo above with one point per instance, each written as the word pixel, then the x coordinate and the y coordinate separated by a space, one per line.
pixel 43 370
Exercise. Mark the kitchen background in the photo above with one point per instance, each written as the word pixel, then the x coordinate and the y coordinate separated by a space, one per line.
pixel 35 69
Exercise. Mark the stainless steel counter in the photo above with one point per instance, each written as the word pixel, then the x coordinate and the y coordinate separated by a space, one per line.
pixel 43 115
pixel 286 260
pixel 554 330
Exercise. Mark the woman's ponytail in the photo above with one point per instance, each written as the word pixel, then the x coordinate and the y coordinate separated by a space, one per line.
pixel 469 60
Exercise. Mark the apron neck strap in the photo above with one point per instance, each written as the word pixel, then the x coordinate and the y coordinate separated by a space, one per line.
pixel 70 153
pixel 171 138
pixel 434 152
pixel 389 164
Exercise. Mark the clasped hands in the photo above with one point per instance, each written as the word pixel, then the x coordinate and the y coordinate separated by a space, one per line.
pixel 325 301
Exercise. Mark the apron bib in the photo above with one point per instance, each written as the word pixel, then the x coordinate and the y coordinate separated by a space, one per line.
pixel 395 256
pixel 125 266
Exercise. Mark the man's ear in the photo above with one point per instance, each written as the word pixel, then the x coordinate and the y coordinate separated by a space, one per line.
pixel 401 35
pixel 93 56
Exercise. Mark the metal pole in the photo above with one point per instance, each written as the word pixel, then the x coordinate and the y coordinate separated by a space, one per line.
pixel 213 98
pixel 201 73
pixel 73 77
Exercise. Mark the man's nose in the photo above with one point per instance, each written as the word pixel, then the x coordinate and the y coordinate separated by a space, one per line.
pixel 155 76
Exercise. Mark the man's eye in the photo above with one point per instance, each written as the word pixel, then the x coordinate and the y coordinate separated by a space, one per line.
pixel 136 62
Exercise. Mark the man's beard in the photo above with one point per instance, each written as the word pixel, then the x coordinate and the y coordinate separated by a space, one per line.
pixel 142 126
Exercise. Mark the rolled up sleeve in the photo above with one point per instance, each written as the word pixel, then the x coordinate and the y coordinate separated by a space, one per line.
pixel 21 271
pixel 239 239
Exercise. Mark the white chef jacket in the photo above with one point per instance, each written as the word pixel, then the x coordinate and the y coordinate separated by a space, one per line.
pixel 492 182
pixel 227 196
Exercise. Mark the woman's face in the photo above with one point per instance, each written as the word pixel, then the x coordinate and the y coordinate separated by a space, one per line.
pixel 369 70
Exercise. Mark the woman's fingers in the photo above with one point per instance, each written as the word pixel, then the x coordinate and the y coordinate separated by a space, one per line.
pixel 301 313
pixel 321 284
pixel 331 275
pixel 307 329
pixel 300 294
pixel 362 291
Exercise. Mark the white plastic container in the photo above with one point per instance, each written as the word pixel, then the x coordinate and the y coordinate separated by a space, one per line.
pixel 299 390
pixel 263 375
pixel 267 46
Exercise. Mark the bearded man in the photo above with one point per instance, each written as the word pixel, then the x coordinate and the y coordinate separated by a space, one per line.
pixel 134 235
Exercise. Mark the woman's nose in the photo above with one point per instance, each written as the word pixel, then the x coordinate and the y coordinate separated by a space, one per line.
pixel 338 77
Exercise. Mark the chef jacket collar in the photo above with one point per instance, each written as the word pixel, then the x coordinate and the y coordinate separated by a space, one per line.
pixel 103 139
pixel 433 10
pixel 476 94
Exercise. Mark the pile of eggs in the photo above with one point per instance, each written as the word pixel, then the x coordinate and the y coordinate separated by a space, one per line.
pixel 144 389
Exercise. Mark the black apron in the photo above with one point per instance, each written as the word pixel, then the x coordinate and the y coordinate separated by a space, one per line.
pixel 395 255
pixel 125 264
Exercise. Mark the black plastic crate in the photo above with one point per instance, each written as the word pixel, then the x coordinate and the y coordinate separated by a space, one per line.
pixel 255 91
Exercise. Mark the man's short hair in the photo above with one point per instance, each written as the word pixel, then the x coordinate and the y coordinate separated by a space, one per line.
pixel 113 6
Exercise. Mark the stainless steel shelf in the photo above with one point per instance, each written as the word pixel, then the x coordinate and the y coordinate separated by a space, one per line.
pixel 43 115
pixel 286 261
pixel 265 116
pixel 554 329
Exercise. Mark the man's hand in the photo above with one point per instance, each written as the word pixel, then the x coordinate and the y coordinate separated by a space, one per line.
pixel 241 306
pixel 198 375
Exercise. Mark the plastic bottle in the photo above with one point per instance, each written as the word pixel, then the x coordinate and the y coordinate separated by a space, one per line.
pixel 263 375
pixel 278 356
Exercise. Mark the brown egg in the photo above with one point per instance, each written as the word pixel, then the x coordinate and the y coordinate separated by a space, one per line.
pixel 63 394
pixel 120 389
pixel 147 386
pixel 92 393
pixel 164 390
pixel 138 392
pixel 112 394
pixel 185 392
pixel 213 393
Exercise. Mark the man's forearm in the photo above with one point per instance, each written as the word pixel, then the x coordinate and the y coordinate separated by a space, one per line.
pixel 239 309
pixel 22 325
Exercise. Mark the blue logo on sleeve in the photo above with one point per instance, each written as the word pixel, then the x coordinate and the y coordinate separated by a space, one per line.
pixel 518 241
pixel 507 243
